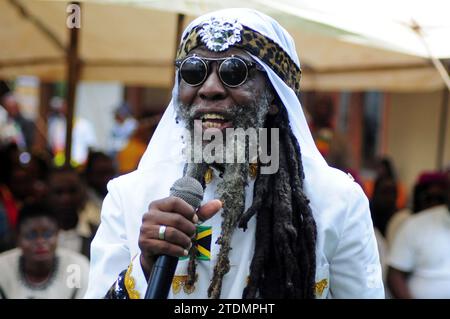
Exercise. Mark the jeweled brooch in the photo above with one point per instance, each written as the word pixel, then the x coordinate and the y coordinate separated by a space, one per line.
pixel 218 34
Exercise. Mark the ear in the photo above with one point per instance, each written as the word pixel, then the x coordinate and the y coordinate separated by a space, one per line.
pixel 273 109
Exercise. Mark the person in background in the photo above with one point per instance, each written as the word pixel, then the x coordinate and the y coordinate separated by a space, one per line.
pixel 9 155
pixel 14 126
pixel 383 207
pixel 428 191
pixel 419 262
pixel 383 203
pixel 99 170
pixel 128 158
pixel 38 269
pixel 83 134
pixel 123 127
pixel 385 168
pixel 22 180
pixel 68 198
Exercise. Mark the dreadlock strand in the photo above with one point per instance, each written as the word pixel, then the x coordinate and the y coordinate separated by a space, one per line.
pixel 287 266
pixel 263 236
pixel 307 223
pixel 261 187
pixel 285 233
pixel 192 266
pixel 230 189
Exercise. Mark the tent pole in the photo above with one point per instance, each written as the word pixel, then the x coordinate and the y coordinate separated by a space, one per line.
pixel 41 138
pixel 442 129
pixel 73 65
pixel 180 24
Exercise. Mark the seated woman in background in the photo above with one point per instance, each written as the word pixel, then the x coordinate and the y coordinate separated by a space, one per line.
pixel 37 269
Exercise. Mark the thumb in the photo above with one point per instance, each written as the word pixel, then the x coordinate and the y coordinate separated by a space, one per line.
pixel 208 210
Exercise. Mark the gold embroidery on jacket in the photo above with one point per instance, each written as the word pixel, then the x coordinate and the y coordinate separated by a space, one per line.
pixel 130 284
pixel 320 287
pixel 180 281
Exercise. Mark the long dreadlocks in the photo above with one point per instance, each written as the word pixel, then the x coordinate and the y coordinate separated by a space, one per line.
pixel 283 264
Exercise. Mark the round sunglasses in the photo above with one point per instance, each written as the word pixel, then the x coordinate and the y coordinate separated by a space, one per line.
pixel 233 70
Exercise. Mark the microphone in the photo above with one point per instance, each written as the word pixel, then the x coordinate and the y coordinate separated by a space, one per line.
pixel 191 191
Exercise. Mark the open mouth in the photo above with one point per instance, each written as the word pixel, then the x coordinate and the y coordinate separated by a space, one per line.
pixel 215 120
pixel 211 120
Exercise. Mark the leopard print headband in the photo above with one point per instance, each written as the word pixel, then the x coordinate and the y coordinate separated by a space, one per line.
pixel 219 35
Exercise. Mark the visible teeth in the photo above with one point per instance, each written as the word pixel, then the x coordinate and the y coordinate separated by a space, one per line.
pixel 212 116
pixel 208 124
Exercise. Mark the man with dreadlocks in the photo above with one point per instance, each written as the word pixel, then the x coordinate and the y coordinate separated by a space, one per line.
pixel 302 230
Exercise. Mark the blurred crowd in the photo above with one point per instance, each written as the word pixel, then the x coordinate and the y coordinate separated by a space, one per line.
pixel 412 227
pixel 49 209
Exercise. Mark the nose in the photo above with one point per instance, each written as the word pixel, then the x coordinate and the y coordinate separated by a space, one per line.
pixel 212 88
pixel 40 240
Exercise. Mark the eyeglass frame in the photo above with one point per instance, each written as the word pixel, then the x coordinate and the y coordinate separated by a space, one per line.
pixel 248 66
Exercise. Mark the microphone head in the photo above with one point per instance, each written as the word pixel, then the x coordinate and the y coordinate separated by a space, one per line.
pixel 188 189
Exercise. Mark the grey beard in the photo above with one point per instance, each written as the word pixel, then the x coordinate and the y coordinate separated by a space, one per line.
pixel 231 189
pixel 243 117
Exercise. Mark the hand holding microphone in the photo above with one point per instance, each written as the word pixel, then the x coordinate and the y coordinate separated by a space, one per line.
pixel 161 246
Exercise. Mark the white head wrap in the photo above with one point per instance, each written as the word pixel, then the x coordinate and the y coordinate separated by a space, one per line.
pixel 166 144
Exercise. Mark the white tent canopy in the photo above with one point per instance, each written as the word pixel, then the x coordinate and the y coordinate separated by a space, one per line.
pixel 343 45
pixel 118 43
pixel 356 44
